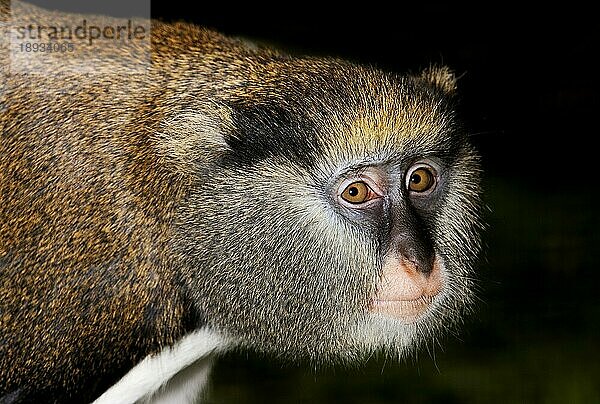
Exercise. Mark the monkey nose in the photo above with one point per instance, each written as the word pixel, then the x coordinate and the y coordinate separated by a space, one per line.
pixel 418 254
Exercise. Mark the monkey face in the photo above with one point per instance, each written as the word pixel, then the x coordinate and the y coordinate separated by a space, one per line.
pixel 424 280
pixel 337 220
pixel 412 274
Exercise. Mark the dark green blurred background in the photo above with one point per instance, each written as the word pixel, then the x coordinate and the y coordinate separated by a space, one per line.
pixel 529 92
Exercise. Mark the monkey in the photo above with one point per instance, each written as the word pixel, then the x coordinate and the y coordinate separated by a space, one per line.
pixel 229 197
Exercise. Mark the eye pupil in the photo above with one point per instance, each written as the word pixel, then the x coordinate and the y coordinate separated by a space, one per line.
pixel 416 179
pixel 352 191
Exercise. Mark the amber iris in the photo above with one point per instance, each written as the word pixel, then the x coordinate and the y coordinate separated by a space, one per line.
pixel 357 192
pixel 421 180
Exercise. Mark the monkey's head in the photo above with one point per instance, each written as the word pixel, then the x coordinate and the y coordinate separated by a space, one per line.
pixel 334 209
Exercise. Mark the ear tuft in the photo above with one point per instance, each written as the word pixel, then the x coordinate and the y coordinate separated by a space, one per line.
pixel 441 77
pixel 192 137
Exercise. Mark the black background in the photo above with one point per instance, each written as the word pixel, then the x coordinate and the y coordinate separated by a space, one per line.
pixel 528 91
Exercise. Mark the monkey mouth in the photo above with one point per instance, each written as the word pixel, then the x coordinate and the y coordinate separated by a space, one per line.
pixel 406 294
pixel 407 311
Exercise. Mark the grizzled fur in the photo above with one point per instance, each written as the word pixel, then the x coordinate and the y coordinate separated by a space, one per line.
pixel 137 208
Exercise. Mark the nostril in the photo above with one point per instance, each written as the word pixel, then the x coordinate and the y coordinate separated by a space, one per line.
pixel 415 248
pixel 411 259
pixel 426 267
pixel 420 260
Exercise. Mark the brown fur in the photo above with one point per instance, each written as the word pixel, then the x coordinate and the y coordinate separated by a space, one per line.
pixel 87 283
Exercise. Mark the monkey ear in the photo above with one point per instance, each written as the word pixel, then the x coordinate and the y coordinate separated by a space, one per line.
pixel 191 137
pixel 440 77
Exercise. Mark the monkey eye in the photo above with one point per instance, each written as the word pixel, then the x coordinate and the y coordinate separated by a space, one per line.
pixel 358 192
pixel 421 178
